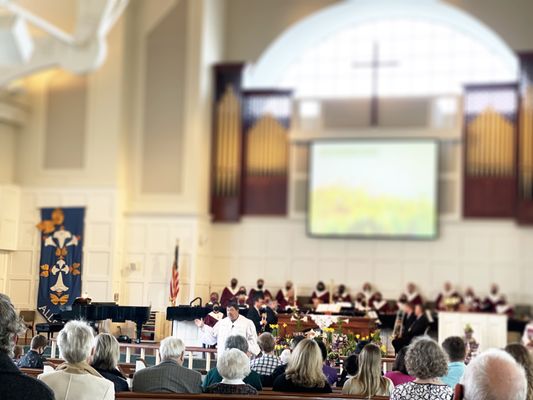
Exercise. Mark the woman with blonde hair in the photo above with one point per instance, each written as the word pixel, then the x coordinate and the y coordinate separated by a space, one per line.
pixel 304 371
pixel 368 382
pixel 105 361
pixel 522 356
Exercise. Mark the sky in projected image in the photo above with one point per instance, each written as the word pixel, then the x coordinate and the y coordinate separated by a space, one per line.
pixel 374 188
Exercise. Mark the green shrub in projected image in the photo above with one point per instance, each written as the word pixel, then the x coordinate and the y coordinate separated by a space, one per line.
pixel 375 188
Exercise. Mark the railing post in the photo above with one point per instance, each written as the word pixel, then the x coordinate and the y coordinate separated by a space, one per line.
pixel 128 354
pixel 207 361
pixel 190 360
pixel 53 349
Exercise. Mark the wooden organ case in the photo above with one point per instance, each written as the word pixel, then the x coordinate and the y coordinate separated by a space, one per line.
pixel 490 150
pixel 249 157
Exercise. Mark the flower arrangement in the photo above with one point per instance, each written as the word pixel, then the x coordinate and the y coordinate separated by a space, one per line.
pixel 451 303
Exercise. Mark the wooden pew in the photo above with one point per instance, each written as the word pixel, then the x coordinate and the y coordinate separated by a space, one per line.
pixel 33 372
pixel 262 396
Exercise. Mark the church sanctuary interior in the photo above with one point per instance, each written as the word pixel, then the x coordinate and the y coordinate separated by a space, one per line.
pixel 325 168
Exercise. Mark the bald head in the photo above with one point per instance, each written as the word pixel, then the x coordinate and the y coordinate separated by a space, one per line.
pixel 494 375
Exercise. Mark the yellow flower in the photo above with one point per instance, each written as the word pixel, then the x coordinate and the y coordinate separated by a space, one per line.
pixel 274 326
pixel 358 336
pixel 383 348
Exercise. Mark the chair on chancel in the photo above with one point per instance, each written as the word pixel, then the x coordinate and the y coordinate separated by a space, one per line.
pixel 29 320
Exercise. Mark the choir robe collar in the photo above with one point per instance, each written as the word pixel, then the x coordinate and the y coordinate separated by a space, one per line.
pixel 368 294
pixel 233 291
pixel 216 315
pixel 412 296
pixel 494 299
pixel 320 293
pixel 378 305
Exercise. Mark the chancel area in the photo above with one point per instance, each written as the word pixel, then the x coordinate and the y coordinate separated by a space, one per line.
pixel 266 198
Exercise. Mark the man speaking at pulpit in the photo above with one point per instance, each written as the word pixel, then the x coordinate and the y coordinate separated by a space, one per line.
pixel 233 324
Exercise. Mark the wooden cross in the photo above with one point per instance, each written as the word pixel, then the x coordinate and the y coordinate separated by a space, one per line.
pixel 375 64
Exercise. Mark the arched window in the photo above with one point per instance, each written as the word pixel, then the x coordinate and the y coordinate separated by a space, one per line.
pixel 395 57
pixel 391 48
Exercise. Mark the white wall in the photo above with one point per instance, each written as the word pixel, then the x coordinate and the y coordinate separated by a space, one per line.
pixel 146 265
pixel 466 253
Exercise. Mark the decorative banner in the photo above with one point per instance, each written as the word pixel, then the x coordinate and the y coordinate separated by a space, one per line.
pixel 61 254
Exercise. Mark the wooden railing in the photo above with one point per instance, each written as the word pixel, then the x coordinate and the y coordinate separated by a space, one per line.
pixel 266 395
pixel 154 347
pixel 209 354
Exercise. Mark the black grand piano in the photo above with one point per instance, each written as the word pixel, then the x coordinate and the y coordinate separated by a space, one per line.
pixel 101 311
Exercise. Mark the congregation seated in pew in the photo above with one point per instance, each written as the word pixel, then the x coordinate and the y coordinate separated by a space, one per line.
pixel 169 376
pixel 266 364
pixel 14 385
pixel 34 358
pixel 105 361
pixel 304 371
pixel 455 348
pixel 427 362
pixel 399 374
pixel 75 379
pixel 240 343
pixel 523 357
pixel 330 372
pixel 494 375
pixel 233 366
pixel 350 368
pixel 368 381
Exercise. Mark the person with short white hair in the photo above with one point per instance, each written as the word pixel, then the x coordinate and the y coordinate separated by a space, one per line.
pixel 233 365
pixel 76 379
pixel 492 375
pixel 105 361
pixel 170 376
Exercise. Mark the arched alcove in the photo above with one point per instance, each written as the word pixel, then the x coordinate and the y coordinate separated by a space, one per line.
pixel 445 30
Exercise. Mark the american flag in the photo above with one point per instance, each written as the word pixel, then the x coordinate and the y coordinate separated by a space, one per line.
pixel 175 279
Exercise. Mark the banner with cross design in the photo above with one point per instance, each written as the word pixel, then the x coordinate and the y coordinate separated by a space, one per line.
pixel 60 268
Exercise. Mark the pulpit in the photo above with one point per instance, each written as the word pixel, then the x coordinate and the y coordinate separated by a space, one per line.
pixel 489 330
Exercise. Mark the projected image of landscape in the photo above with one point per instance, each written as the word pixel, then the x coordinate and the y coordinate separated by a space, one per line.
pixel 373 188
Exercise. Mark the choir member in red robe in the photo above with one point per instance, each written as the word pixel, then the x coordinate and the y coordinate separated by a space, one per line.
pixel 494 299
pixel 448 298
pixel 213 299
pixel 214 316
pixel 229 293
pixel 242 298
pixel 412 294
pixel 368 292
pixel 360 303
pixel 285 296
pixel 471 301
pixel 320 295
pixel 381 306
pixel 341 295
pixel 260 289
pixel 503 307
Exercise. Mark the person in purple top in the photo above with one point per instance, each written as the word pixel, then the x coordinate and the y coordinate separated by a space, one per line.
pixel 399 374
pixel 330 372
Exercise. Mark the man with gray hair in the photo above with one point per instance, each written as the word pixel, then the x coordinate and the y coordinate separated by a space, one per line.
pixel 170 376
pixel 493 375
pixel 13 383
